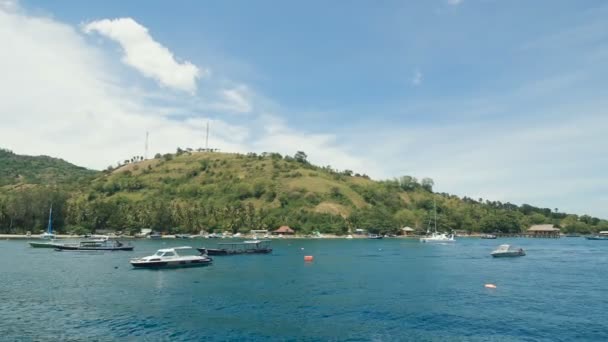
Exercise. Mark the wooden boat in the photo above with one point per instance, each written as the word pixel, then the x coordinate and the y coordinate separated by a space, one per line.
pixel 170 258
pixel 375 236
pixel 506 251
pixel 96 245
pixel 245 247
pixel 488 236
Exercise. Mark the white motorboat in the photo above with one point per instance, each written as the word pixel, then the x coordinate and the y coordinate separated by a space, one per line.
pixel 436 236
pixel 170 258
pixel 507 251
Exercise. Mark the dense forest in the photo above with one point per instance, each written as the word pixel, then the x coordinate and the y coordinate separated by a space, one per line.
pixel 190 191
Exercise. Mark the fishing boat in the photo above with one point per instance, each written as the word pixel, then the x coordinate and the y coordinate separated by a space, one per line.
pixel 435 236
pixel 96 245
pixel 155 235
pixel 48 235
pixel 245 247
pixel 170 258
pixel 488 236
pixel 507 251
pixel 374 236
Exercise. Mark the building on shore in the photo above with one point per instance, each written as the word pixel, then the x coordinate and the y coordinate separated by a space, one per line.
pixel 543 231
pixel 284 230
pixel 407 231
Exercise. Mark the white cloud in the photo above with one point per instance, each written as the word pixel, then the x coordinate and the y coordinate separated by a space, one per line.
pixel 69 100
pixel 146 55
pixel 236 99
pixel 454 2
pixel 417 77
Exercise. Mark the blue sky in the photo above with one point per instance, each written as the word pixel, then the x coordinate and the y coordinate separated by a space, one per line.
pixel 502 100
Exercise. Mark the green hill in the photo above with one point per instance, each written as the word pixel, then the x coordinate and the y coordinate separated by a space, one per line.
pixel 192 191
pixel 18 169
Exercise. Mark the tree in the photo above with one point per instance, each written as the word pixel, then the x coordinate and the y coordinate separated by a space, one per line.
pixel 301 157
pixel 427 184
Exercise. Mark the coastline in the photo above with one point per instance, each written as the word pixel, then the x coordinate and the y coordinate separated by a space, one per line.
pixel 247 236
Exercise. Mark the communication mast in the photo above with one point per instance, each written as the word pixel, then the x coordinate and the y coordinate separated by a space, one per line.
pixel 207 138
pixel 146 154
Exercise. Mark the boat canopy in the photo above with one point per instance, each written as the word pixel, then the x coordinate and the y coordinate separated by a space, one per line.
pixel 503 248
pixel 173 249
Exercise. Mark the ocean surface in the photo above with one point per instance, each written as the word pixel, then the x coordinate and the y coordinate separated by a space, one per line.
pixel 354 290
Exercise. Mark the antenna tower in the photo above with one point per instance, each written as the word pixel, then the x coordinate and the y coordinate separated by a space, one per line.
pixel 146 154
pixel 207 137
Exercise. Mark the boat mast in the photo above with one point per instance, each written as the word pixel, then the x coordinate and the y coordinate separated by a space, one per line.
pixel 435 210
pixel 50 225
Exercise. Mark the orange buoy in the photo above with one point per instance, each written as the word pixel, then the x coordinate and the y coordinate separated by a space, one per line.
pixel 490 286
pixel 308 258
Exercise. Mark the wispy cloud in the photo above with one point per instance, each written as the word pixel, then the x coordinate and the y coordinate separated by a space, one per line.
pixel 417 78
pixel 455 2
pixel 146 55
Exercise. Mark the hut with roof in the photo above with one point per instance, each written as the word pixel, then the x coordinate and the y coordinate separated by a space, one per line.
pixel 406 231
pixel 284 230
pixel 543 231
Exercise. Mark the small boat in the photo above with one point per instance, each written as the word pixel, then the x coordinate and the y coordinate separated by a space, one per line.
pixel 507 251
pixel 183 236
pixel 245 247
pixel 48 235
pixel 154 235
pixel 374 236
pixel 95 245
pixel 597 237
pixel 573 235
pixel 170 258
pixel 349 236
pixel 436 236
pixel 488 236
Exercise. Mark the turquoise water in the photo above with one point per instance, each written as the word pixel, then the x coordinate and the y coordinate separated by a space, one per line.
pixel 355 290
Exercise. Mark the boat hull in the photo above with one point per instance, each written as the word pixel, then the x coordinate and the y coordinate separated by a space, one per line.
pixel 436 240
pixel 171 264
pixel 44 245
pixel 508 254
pixel 78 248
pixel 219 252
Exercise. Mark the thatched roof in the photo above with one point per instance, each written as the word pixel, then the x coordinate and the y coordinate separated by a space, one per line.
pixel 543 228
pixel 284 230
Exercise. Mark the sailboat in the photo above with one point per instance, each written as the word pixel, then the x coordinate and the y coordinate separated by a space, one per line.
pixel 436 236
pixel 48 235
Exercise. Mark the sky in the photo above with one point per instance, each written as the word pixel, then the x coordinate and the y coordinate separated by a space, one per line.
pixel 500 100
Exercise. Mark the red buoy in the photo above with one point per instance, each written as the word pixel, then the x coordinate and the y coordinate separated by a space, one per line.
pixel 308 258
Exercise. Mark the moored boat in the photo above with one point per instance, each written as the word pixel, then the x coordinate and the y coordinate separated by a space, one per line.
pixel 435 236
pixel 170 258
pixel 507 251
pixel 374 236
pixel 603 235
pixel 245 247
pixel 96 245
pixel 48 235
pixel 488 236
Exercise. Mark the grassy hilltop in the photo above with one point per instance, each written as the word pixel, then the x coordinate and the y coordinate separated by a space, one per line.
pixel 190 191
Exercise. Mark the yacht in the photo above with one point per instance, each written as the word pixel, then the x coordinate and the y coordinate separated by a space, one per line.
pixel 507 251
pixel 171 258
pixel 48 235
pixel 436 236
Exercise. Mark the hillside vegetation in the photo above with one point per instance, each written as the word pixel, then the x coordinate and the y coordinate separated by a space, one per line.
pixel 191 191
pixel 18 169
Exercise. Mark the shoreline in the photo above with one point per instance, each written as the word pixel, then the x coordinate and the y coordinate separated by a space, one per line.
pixel 172 237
